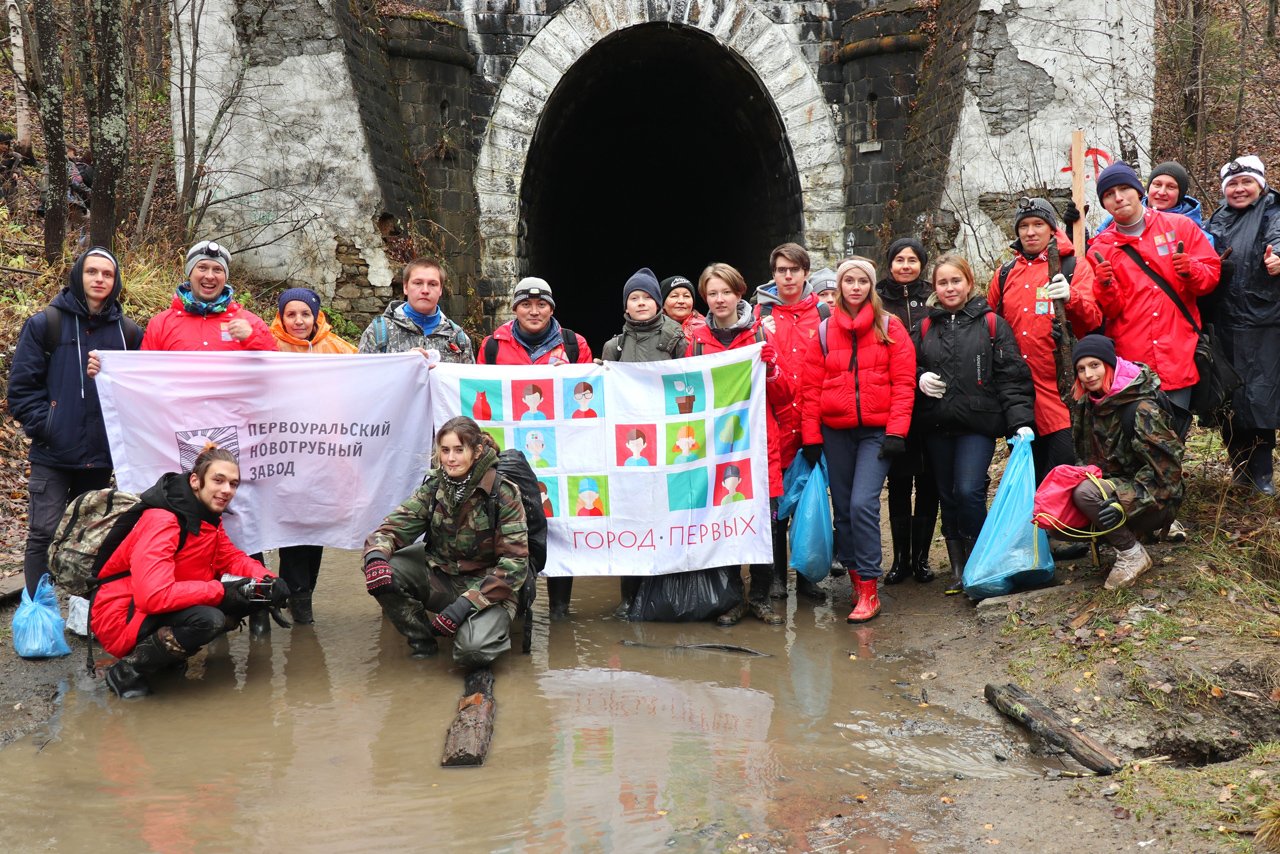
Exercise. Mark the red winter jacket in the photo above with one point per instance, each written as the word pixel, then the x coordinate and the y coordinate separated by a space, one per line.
pixel 795 326
pixel 512 352
pixel 1145 324
pixel 879 390
pixel 1030 314
pixel 175 329
pixel 162 579
pixel 778 390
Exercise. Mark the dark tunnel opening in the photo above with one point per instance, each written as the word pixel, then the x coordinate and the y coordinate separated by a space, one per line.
pixel 659 148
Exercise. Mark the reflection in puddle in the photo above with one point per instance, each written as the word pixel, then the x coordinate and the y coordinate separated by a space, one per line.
pixel 328 738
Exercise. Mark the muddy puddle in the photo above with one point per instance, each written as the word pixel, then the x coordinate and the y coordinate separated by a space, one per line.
pixel 328 738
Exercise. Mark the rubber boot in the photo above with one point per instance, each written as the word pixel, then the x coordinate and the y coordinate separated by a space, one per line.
pixel 900 531
pixel 410 620
pixel 807 589
pixel 127 677
pixel 1260 469
pixel 300 609
pixel 627 587
pixel 758 602
pixel 957 555
pixel 778 584
pixel 778 578
pixel 260 624
pixel 558 592
pixel 866 603
pixel 921 538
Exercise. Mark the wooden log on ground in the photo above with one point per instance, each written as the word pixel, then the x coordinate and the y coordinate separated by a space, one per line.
pixel 1017 704
pixel 467 741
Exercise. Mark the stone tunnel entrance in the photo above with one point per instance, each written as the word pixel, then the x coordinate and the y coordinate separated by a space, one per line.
pixel 658 148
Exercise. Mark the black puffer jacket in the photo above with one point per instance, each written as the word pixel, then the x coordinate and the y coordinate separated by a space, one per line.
pixel 989 390
pixel 907 301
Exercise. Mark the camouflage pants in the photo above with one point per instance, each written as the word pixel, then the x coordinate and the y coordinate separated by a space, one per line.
pixel 418 590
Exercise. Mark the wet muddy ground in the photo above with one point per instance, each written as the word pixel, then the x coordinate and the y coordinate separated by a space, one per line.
pixel 328 738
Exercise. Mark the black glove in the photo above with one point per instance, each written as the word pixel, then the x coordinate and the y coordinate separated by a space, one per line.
pixel 892 446
pixel 812 453
pixel 1071 215
pixel 445 624
pixel 234 599
pixel 377 575
pixel 1111 515
pixel 278 595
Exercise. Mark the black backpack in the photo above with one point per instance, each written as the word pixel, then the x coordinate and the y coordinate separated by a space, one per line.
pixel 568 340
pixel 1129 412
pixel 130 332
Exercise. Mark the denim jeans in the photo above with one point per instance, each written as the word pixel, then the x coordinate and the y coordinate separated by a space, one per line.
pixel 960 463
pixel 857 476
pixel 49 491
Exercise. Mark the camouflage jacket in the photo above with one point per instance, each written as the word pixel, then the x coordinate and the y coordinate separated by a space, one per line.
pixel 1143 463
pixel 461 538
pixel 393 332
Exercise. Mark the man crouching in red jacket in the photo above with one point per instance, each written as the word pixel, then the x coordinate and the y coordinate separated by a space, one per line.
pixel 167 601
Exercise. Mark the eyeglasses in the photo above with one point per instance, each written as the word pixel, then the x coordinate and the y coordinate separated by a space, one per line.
pixel 582 395
pixel 787 271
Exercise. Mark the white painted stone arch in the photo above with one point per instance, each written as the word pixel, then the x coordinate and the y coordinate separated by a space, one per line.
pixel 759 42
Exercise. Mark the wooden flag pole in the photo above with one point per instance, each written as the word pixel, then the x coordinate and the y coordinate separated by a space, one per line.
pixel 1077 188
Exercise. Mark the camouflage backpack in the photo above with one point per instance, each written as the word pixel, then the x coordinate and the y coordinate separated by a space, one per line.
pixel 92 528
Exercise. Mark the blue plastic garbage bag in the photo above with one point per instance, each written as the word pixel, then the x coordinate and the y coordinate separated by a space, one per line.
pixel 1011 552
pixel 811 530
pixel 793 483
pixel 37 625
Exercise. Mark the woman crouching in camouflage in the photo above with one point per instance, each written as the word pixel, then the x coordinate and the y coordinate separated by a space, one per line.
pixel 463 580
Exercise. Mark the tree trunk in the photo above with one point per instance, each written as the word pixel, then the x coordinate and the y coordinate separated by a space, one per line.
pixel 22 104
pixel 108 123
pixel 50 106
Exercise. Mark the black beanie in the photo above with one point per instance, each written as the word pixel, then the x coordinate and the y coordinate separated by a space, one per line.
pixel 909 243
pixel 642 280
pixel 670 283
pixel 1177 172
pixel 1098 346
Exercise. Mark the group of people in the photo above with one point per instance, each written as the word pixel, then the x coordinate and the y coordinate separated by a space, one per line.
pixel 904 376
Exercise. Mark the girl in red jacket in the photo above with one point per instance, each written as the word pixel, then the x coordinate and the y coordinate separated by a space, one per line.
pixel 859 388
pixel 730 325
pixel 161 598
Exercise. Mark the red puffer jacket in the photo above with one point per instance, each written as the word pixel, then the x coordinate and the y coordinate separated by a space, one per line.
pixel 878 389
pixel 1145 324
pixel 161 578
pixel 512 352
pixel 778 391
pixel 795 326
pixel 1022 303
pixel 175 329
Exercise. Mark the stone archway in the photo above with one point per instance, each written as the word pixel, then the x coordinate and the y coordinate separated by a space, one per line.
pixel 758 46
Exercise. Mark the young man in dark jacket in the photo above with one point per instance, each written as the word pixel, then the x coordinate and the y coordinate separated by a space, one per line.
pixel 53 396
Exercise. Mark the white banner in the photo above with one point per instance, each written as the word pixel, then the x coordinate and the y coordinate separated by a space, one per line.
pixel 328 444
pixel 647 468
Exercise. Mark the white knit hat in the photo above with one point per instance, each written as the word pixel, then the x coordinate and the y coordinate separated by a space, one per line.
pixel 1249 165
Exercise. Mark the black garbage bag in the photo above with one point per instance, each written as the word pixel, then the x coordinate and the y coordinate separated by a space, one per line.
pixel 684 597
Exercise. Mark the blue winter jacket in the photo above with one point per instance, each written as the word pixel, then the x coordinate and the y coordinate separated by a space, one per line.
pixel 56 403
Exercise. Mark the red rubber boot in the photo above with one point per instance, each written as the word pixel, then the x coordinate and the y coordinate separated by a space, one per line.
pixel 866 600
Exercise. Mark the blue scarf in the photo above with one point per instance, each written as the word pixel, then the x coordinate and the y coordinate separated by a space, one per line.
pixel 541 345
pixel 191 305
pixel 426 322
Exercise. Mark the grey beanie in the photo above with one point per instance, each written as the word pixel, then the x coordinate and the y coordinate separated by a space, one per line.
pixel 1038 208
pixel 208 250
pixel 531 287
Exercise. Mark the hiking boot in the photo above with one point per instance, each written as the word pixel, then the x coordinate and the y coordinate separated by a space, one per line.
pixel 423 647
pixel 127 677
pixel 957 555
pixel 764 612
pixel 733 615
pixel 900 531
pixel 300 609
pixel 260 624
pixel 866 603
pixel 1175 533
pixel 1130 564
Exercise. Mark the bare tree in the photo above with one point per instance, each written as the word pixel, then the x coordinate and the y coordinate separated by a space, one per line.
pixel 18 64
pixel 49 55
pixel 99 29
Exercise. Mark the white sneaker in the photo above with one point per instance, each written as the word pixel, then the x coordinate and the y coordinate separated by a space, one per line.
pixel 1175 533
pixel 1130 564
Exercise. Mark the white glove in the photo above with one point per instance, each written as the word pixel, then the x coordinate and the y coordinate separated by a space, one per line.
pixel 931 385
pixel 1058 288
pixel 1025 434
pixel 770 324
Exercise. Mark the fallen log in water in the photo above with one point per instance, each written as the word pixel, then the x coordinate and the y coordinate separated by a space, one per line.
pixel 1017 704
pixel 467 741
